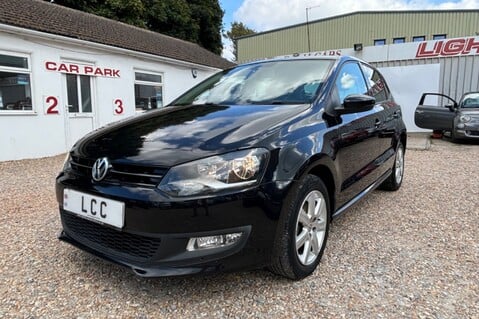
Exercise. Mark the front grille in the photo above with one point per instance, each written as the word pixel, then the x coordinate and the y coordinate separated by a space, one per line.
pixel 96 235
pixel 472 133
pixel 121 173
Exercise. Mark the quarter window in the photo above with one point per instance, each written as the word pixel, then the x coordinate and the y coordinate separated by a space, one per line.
pixel 376 84
pixel 148 91
pixel 15 83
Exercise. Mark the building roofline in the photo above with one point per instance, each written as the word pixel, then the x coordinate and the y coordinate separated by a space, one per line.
pixel 13 30
pixel 50 18
pixel 356 13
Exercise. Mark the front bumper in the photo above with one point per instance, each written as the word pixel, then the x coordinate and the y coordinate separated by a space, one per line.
pixel 468 133
pixel 154 265
pixel 155 235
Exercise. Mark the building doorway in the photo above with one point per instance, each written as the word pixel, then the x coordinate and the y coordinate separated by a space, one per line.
pixel 80 107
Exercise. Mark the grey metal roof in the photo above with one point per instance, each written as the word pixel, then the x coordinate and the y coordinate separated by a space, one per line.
pixel 55 19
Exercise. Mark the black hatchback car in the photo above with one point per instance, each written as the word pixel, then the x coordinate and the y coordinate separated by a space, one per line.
pixel 245 170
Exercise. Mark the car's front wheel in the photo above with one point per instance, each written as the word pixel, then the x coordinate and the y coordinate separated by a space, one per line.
pixel 303 229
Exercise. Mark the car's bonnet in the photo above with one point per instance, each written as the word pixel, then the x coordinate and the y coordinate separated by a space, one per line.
pixel 180 134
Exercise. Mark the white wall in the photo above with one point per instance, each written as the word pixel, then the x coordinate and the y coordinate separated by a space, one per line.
pixel 36 134
pixel 407 84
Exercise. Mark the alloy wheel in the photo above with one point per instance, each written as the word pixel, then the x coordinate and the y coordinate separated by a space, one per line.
pixel 311 227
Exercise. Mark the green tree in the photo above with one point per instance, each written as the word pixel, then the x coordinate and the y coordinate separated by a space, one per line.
pixel 171 17
pixel 238 29
pixel 198 21
pixel 208 15
pixel 127 11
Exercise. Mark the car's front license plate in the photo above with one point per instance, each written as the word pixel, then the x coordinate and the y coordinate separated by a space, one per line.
pixel 96 208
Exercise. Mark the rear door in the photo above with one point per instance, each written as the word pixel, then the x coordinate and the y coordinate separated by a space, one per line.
pixel 435 111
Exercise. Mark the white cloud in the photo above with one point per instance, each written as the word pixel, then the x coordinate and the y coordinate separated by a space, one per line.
pixel 228 50
pixel 263 15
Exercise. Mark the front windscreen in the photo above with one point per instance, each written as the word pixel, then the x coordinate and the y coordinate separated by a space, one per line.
pixel 273 82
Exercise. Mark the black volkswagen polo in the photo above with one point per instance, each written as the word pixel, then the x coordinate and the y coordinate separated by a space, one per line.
pixel 245 170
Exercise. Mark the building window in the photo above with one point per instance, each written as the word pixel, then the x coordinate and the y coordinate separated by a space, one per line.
pixel 148 91
pixel 418 38
pixel 380 42
pixel 15 84
pixel 78 93
pixel 399 40
pixel 438 36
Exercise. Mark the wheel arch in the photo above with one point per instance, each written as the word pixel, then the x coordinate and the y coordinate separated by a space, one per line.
pixel 325 174
pixel 322 166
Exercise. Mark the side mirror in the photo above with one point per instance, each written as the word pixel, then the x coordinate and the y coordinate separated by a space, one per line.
pixel 355 103
pixel 452 107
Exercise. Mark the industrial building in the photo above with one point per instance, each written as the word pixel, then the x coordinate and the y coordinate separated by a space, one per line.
pixel 417 51
pixel 360 28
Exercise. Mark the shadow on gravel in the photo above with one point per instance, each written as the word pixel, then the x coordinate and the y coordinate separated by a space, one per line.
pixel 119 280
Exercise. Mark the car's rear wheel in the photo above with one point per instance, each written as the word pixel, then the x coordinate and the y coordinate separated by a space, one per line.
pixel 394 181
pixel 303 229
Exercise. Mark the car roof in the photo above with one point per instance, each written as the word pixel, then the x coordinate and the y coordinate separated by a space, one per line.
pixel 305 56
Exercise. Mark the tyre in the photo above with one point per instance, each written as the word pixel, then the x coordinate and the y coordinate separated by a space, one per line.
pixel 394 181
pixel 454 139
pixel 303 229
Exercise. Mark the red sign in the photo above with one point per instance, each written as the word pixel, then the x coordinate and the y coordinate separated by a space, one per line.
pixel 90 70
pixel 451 47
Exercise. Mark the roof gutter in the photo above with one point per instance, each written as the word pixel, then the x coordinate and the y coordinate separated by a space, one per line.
pixel 67 40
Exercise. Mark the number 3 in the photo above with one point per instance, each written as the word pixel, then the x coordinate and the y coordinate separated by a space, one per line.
pixel 118 107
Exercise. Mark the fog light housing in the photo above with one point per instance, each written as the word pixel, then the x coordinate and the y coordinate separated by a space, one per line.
pixel 215 241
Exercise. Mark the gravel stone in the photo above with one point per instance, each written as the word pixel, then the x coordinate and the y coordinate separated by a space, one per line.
pixel 413 253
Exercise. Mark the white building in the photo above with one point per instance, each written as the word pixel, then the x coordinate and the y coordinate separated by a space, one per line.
pixel 64 73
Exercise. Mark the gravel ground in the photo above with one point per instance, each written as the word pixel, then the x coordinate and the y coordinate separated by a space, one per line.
pixel 413 253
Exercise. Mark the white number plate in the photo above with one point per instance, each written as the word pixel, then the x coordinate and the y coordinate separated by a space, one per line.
pixel 99 209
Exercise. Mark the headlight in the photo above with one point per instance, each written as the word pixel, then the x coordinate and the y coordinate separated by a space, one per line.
pixel 464 118
pixel 216 174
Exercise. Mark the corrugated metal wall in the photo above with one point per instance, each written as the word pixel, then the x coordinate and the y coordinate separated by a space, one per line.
pixel 457 75
pixel 361 27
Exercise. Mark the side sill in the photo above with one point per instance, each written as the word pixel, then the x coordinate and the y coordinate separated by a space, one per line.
pixel 370 188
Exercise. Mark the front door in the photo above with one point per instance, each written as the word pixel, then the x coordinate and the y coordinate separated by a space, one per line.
pixel 435 116
pixel 80 108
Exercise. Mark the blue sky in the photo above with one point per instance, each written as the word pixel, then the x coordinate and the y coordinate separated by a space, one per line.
pixel 229 6
pixel 263 15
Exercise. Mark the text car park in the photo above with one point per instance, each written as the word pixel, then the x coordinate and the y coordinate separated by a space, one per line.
pixel 245 170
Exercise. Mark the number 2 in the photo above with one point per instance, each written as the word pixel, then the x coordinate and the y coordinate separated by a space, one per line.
pixel 51 104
